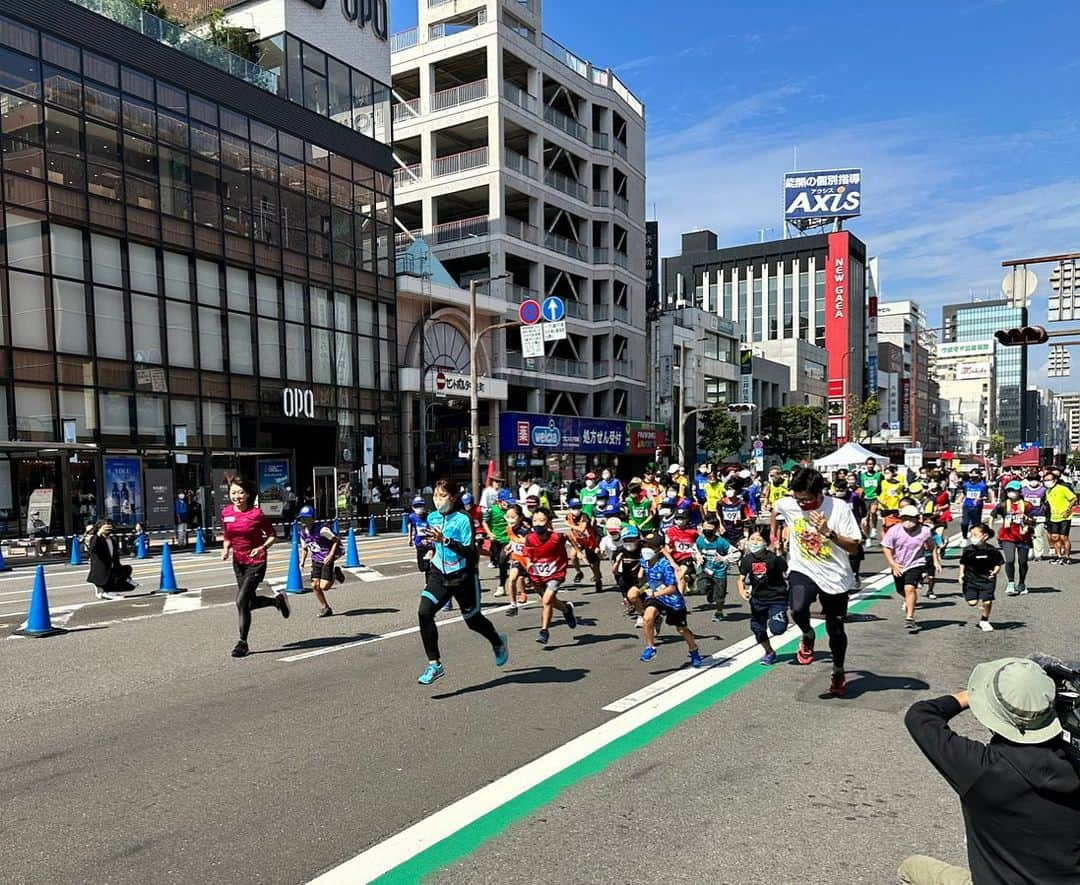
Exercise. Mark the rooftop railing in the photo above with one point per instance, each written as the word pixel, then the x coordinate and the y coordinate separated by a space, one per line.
pixel 459 95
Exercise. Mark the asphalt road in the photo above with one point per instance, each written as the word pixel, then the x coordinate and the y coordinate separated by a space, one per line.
pixel 138 751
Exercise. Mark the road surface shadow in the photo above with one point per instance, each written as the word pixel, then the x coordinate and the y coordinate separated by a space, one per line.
pixel 861 682
pixel 591 639
pixel 315 642
pixel 367 611
pixel 1043 590
pixel 1008 625
pixel 526 676
pixel 936 623
pixel 861 618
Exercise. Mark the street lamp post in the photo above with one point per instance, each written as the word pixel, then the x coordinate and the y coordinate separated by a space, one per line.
pixel 474 392
pixel 716 407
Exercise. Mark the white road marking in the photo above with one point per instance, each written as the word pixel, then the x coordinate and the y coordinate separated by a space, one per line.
pixel 182 602
pixel 398 849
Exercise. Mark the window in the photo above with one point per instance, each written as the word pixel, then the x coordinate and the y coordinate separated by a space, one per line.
pixel 77 404
pixel 142 268
pixel 115 411
pixel 177 276
pixel 295 353
pixel 758 308
pixel 804 305
pixel 294 301
pixel 109 330
pixel 180 334
pixel 24 247
pixel 269 348
pixel 67 251
pixel 150 417
pixel 29 327
pixel 819 308
pixel 241 359
pixel 789 306
pixel 34 418
pixel 106 265
pixel 208 282
pixel 322 355
pixel 211 339
pixel 742 306
pixel 712 346
pixel 215 428
pixel 340 102
pixel 63 88
pixel 102 102
pixel 774 315
pixel 20 73
pixel 146 329
pixel 236 285
pixel 365 363
pixel 184 412
pixel 69 316
pixel 266 295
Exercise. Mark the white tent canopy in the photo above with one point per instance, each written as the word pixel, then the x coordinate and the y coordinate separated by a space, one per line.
pixel 849 455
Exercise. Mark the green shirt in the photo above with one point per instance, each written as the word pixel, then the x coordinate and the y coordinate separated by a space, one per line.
pixel 587 497
pixel 871 483
pixel 640 512
pixel 496 523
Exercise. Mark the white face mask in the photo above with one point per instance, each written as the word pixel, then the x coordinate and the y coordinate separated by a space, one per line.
pixel 590 483
pixel 446 506
pixel 1050 483
pixel 1033 483
pixel 648 554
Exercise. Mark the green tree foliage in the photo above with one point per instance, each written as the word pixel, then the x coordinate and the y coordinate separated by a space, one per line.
pixel 996 448
pixel 239 41
pixel 795 432
pixel 720 435
pixel 154 7
pixel 861 415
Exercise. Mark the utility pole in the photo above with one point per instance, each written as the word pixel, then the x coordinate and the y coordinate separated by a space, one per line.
pixel 474 391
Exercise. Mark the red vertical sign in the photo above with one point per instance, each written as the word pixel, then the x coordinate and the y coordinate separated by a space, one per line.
pixel 838 323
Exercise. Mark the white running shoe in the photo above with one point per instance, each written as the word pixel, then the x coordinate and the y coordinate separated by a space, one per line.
pixel 640 622
pixel 499 591
pixel 986 626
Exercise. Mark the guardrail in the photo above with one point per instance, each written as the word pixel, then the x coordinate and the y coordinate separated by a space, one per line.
pixel 520 163
pixel 567 124
pixel 455 96
pixel 460 162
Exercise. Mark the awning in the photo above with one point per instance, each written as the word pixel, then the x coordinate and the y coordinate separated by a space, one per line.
pixel 1026 458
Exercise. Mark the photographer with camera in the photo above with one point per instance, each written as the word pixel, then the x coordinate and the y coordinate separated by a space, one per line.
pixel 1020 793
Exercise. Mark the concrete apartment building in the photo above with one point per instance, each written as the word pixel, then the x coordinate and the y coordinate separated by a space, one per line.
pixel 1069 404
pixel 903 324
pixel 515 156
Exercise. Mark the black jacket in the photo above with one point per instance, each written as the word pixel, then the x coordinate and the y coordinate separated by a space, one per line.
pixel 1021 802
pixel 103 567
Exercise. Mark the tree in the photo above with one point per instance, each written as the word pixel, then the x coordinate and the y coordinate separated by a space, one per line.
pixel 720 435
pixel 154 7
pixel 239 41
pixel 862 413
pixel 1073 460
pixel 996 448
pixel 795 432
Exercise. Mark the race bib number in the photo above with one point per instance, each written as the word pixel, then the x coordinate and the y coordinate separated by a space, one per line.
pixel 1017 519
pixel 684 547
pixel 732 514
pixel 973 496
pixel 544 569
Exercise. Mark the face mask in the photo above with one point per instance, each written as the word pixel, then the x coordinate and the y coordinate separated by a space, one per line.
pixel 590 483
pixel 979 541
pixel 755 548
pixel 710 533
pixel 541 529
pixel 648 554
pixel 910 526
pixel 810 505
pixel 632 547
pixel 614 536
pixel 1050 483
pixel 418 510
pixel 1013 495
pixel 446 506
pixel 1033 483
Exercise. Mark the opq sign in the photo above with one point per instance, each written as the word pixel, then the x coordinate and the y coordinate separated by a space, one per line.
pixel 818 197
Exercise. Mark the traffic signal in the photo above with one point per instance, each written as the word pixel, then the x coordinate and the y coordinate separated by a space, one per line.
pixel 1022 337
pixel 741 408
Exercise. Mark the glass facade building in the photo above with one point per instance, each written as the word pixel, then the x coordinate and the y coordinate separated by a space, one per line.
pixel 195 275
pixel 977 322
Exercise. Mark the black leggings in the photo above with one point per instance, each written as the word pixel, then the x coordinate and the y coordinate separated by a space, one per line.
pixel 248 579
pixel 803 593
pixel 1012 552
pixel 464 586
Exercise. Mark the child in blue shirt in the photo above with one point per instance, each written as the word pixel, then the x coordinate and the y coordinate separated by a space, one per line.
pixel 711 556
pixel 663 598
pixel 417 523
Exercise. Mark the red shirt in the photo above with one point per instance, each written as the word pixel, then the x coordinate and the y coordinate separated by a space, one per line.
pixel 943 507
pixel 1015 527
pixel 681 542
pixel 245 530
pixel 583 532
pixel 547 558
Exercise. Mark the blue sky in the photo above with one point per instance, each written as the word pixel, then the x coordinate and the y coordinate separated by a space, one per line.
pixel 961 114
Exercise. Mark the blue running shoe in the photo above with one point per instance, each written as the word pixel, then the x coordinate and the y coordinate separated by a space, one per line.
pixel 502 653
pixel 768 660
pixel 542 638
pixel 571 618
pixel 695 658
pixel 648 654
pixel 433 672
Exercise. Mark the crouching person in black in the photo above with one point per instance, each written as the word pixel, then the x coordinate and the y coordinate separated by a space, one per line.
pixel 106 573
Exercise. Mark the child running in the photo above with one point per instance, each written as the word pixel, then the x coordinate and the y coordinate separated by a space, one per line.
pixel 905 546
pixel 583 542
pixel 711 555
pixel 248 535
pixel 417 520
pixel 319 541
pixel 545 553
pixel 762 583
pixel 979 566
pixel 626 567
pixel 517 530
pixel 681 540
pixel 663 599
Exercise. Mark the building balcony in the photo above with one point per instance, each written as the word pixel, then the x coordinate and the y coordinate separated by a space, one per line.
pixel 600 140
pixel 621 259
pixel 566 185
pixel 601 255
pixel 520 163
pixel 477 227
pixel 576 309
pixel 182 40
pixel 517 294
pixel 620 148
pixel 622 205
pixel 567 124
pixel 561 244
pixel 406 111
pixel 406 39
pixel 450 29
pixel 521 230
pixel 622 367
pixel 601 199
pixel 601 369
pixel 600 312
pixel 622 314
pixel 408 176
pixel 520 97
pixel 461 162
pixel 456 96
pixel 552 365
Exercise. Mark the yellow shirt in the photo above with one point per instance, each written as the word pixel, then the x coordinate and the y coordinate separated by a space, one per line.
pixel 714 491
pixel 1061 501
pixel 891 493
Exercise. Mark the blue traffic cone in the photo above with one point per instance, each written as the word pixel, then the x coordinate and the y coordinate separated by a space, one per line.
pixel 294 583
pixel 4 567
pixel 200 541
pixel 38 621
pixel 167 583
pixel 140 546
pixel 352 554
pixel 76 553
pixel 404 523
pixel 295 533
pixel 371 526
pixel 337 528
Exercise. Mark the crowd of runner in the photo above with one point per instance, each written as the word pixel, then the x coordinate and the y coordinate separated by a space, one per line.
pixel 789 539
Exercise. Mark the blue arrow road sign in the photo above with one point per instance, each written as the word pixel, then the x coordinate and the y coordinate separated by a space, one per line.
pixel 554 309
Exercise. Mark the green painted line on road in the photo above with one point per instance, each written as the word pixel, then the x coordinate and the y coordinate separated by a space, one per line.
pixel 467 840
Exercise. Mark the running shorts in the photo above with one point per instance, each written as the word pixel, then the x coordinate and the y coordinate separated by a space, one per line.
pixel 911 577
pixel 1059 528
pixel 542 587
pixel 676 617
pixel 322 571
pixel 978 594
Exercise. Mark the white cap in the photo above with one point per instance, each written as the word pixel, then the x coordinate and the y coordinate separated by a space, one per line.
pixel 613 524
pixel 909 511
pixel 674 468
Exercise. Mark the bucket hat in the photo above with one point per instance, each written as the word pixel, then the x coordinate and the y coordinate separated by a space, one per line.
pixel 1014 698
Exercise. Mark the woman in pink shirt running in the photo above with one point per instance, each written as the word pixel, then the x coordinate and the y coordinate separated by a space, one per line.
pixel 248 535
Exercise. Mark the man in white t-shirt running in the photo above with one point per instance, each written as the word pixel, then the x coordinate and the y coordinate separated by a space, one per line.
pixel 822 532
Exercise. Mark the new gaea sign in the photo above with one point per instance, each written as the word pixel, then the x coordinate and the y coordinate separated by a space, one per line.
pixel 363 12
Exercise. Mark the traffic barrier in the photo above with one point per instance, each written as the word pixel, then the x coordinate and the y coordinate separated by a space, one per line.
pixel 140 546
pixel 200 542
pixel 38 621
pixel 404 524
pixel 371 526
pixel 294 582
pixel 352 553
pixel 167 582
pixel 76 553
pixel 4 567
